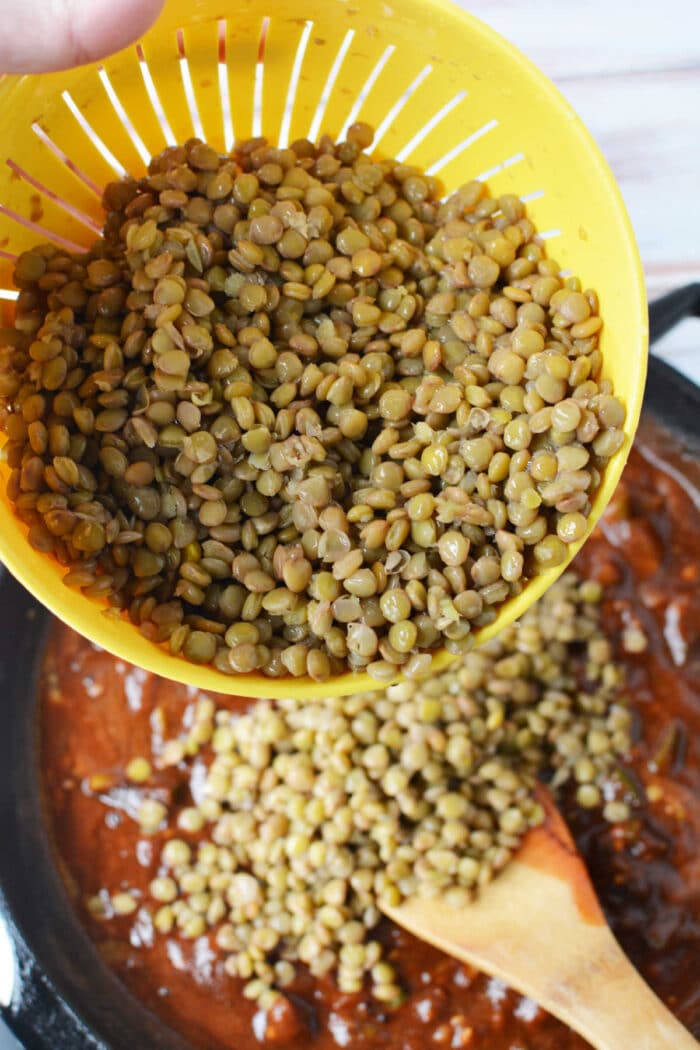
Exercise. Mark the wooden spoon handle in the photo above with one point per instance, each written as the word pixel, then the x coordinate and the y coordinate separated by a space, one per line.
pixel 540 928
pixel 614 1008
pixel 573 968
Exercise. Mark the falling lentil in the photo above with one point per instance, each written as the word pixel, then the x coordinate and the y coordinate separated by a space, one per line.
pixel 312 817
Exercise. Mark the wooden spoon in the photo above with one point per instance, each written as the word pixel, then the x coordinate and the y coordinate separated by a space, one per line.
pixel 540 928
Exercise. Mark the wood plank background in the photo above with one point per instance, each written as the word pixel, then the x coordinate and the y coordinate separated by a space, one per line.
pixel 632 72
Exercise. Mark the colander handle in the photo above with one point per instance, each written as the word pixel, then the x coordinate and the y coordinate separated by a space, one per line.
pixel 666 312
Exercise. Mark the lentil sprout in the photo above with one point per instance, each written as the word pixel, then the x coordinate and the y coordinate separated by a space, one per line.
pixel 309 818
pixel 289 390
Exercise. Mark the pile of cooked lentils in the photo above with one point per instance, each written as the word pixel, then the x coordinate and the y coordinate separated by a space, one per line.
pixel 299 821
pixel 294 415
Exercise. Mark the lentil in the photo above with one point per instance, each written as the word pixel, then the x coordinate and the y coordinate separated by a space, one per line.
pixel 327 812
pixel 306 358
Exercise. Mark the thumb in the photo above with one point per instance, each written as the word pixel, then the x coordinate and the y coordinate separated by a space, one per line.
pixel 40 36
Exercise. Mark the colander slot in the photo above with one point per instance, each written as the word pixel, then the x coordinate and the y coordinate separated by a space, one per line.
pixel 366 91
pixel 316 123
pixel 461 147
pixel 224 89
pixel 10 295
pixel 421 135
pixel 294 86
pixel 548 235
pixel 501 166
pixel 400 104
pixel 8 255
pixel 259 79
pixel 152 92
pixel 127 122
pixel 534 196
pixel 188 86
pixel 42 232
pixel 65 159
pixel 94 138
pixel 71 209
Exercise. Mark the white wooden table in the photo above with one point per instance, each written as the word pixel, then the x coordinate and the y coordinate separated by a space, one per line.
pixel 631 68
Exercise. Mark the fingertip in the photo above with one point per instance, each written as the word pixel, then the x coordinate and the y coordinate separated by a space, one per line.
pixel 47 37
pixel 104 26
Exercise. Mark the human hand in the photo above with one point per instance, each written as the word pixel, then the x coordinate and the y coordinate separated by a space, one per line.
pixel 39 36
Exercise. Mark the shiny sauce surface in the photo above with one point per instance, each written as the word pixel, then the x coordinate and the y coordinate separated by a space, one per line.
pixel 98 713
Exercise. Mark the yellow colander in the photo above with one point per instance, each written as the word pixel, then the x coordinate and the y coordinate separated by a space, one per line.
pixel 443 91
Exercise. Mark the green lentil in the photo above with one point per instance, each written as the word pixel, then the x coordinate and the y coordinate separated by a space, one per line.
pixel 428 791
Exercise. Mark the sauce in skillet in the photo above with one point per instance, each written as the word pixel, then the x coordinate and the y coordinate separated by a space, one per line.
pixel 98 713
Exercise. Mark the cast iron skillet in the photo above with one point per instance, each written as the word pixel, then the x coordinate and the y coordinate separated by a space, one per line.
pixel 64 997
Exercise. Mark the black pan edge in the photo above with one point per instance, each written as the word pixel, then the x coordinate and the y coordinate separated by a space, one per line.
pixel 673 400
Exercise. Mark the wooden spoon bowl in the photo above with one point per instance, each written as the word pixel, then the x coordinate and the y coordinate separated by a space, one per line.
pixel 539 927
